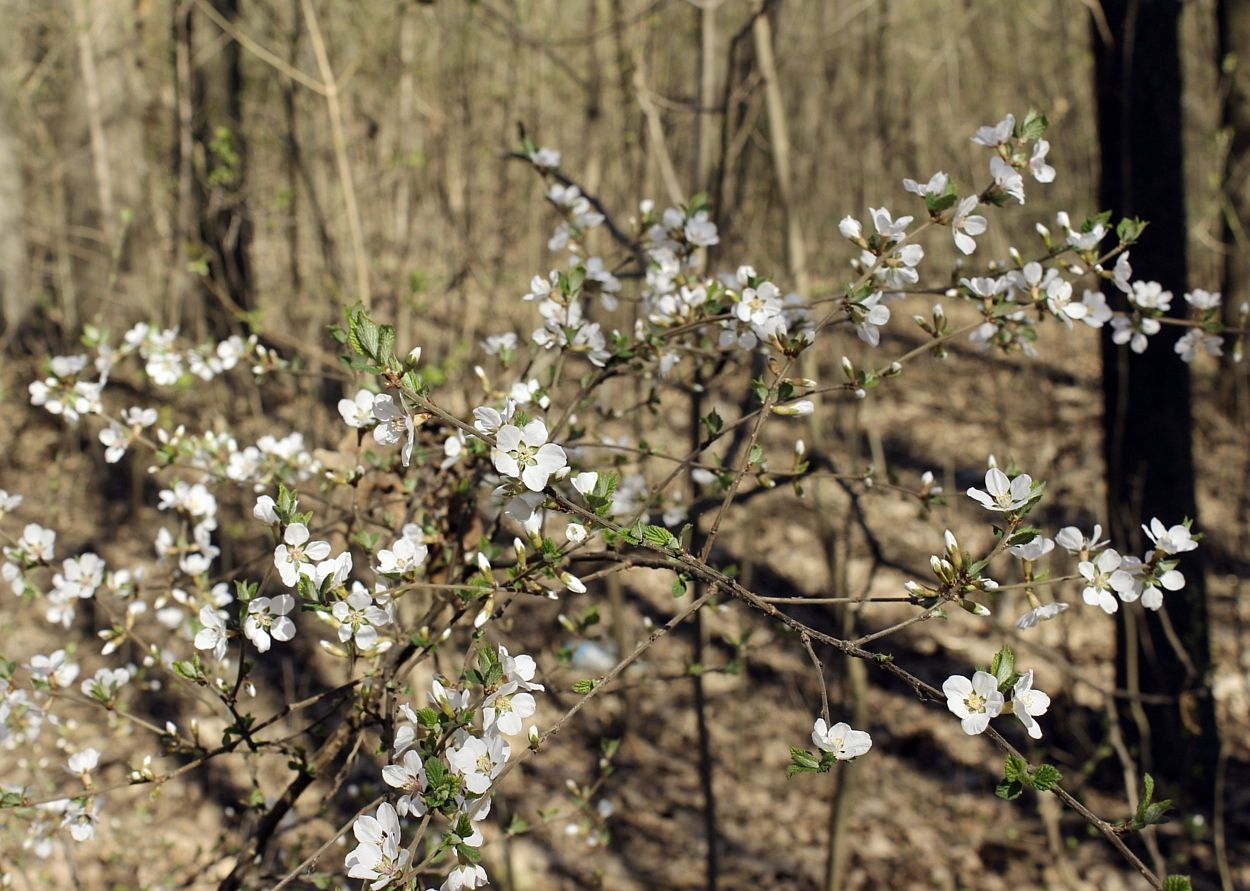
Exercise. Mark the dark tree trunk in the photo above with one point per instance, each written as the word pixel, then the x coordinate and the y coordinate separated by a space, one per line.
pixel 225 224
pixel 1147 425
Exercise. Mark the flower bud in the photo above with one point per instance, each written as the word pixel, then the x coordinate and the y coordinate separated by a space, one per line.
pixel 975 608
pixel 801 408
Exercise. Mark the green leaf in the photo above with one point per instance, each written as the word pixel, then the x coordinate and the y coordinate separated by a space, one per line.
pixel 10 799
pixel 660 536
pixel 1034 126
pixel 1177 883
pixel 1016 768
pixel 1004 665
pixel 713 422
pixel 584 686
pixel 1009 790
pixel 1129 229
pixel 1046 777
pixel 802 761
pixel 386 344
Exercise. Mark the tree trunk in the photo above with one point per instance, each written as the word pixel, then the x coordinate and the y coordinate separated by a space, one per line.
pixel 220 194
pixel 1146 424
pixel 1233 34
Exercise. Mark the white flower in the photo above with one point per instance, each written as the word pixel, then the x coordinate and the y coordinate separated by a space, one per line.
pixel 525 453
pixel 840 740
pixel 1007 178
pixel 80 576
pixel 266 618
pixel 409 777
pixel 1174 540
pixel 115 439
pixel 935 186
pixel 296 555
pixel 1097 312
pixel 83 762
pixel 575 533
pixel 465 877
pixel 973 701
pixel 105 684
pixel 1042 172
pixel 1194 341
pixel 701 231
pixel 1203 300
pixel 265 510
pixel 965 225
pixel 1134 331
pixel 37 543
pixel 1036 547
pixel 850 229
pixel 1103 576
pixel 378 857
pixel 871 314
pixel 1059 301
pixel 404 556
pixel 53 669
pixel 886 226
pixel 1040 614
pixel 1150 295
pixel 81 821
pixel 358 412
pixel 359 617
pixel 505 710
pixel 585 482
pixel 997 134
pixel 479 761
pixel 1003 494
pixel 1028 704
pixel 8 503
pixel 393 424
pixel 212 634
pixel 544 157
pixel 519 670
pixel 1072 540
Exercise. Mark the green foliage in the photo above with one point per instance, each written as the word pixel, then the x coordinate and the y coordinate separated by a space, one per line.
pixel 1149 812
pixel 1018 776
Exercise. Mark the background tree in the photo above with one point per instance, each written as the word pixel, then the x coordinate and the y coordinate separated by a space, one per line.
pixel 1147 421
pixel 1233 49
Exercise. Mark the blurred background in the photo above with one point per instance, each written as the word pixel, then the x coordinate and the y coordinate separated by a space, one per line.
pixel 253 165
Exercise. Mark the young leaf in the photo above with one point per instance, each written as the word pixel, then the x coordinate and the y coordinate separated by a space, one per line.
pixel 1046 777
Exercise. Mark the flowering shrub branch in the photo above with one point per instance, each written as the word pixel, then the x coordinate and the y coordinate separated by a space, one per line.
pixel 509 499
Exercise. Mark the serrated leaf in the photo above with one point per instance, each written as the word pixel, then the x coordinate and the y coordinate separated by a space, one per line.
pixel 1016 768
pixel 1009 790
pixel 1046 777
pixel 584 686
pixel 1177 883
pixel 660 536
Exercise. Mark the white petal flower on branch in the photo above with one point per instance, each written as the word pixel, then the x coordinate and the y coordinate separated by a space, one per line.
pixel 974 701
pixel 1028 704
pixel 524 453
pixel 840 740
